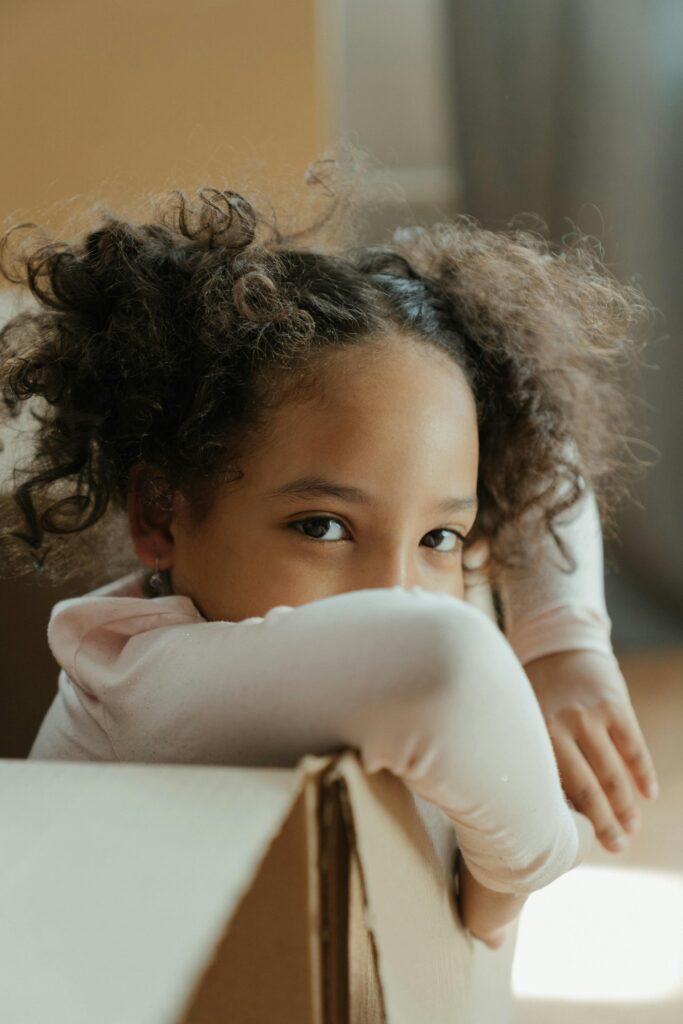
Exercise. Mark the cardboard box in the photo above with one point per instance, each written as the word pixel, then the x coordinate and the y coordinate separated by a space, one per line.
pixel 173 894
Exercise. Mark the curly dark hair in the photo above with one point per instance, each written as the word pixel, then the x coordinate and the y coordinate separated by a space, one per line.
pixel 168 343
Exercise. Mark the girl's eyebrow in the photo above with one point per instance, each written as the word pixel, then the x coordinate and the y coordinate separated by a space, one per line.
pixel 319 487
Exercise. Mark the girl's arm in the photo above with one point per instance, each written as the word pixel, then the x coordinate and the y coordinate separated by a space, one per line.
pixel 558 625
pixel 548 610
pixel 422 684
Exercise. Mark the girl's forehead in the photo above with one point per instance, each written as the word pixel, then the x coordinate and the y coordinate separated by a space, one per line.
pixel 384 366
pixel 394 418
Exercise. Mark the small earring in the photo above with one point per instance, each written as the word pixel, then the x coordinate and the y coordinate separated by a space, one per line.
pixel 156 580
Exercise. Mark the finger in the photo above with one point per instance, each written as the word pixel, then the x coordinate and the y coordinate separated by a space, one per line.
pixel 630 742
pixel 586 793
pixel 597 747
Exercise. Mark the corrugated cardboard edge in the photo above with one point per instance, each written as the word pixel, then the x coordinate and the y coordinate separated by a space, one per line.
pixel 366 997
pixel 333 872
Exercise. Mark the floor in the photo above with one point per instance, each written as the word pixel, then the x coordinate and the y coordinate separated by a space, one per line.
pixel 604 943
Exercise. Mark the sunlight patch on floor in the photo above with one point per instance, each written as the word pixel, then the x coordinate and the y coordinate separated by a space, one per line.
pixel 600 935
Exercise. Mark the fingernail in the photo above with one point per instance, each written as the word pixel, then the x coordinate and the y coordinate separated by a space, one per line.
pixel 631 824
pixel 652 789
pixel 620 842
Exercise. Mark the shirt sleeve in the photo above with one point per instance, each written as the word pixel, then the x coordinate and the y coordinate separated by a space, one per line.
pixel 70 731
pixel 546 609
pixel 419 683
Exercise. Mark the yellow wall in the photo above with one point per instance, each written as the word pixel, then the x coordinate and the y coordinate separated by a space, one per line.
pixel 111 99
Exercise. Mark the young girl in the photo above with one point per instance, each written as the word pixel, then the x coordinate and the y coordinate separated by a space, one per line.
pixel 310 445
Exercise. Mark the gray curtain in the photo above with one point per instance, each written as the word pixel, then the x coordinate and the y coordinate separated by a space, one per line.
pixel 573 109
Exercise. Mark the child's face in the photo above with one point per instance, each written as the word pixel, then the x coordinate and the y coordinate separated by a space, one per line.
pixel 396 421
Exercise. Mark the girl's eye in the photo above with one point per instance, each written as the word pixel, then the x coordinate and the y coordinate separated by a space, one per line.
pixel 319 529
pixel 454 541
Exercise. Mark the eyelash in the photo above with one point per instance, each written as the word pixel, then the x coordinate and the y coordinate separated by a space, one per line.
pixel 333 519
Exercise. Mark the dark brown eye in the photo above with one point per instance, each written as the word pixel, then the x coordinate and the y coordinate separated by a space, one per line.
pixel 455 544
pixel 320 527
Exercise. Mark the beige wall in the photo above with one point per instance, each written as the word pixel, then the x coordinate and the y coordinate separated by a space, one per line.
pixel 113 98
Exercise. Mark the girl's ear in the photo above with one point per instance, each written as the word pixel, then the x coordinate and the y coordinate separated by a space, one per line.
pixel 149 523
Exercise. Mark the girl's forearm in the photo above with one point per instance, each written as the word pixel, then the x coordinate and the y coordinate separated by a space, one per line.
pixel 420 683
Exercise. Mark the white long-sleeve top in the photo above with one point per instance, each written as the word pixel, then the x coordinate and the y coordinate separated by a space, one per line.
pixel 547 610
pixel 422 684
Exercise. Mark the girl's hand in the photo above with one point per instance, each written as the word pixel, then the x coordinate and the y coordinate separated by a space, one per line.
pixel 483 912
pixel 596 738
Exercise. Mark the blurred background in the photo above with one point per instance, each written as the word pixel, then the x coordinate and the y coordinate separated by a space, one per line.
pixel 570 109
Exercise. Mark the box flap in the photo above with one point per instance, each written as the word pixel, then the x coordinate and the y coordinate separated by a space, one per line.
pixel 117 881
pixel 429 968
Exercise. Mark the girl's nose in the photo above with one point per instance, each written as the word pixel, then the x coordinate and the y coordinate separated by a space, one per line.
pixel 390 569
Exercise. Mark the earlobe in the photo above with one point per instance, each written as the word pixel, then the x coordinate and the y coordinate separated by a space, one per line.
pixel 149 524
